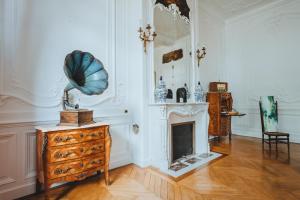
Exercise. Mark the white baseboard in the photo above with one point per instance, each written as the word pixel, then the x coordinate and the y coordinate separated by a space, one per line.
pixel 120 162
pixel 18 191
pixel 295 138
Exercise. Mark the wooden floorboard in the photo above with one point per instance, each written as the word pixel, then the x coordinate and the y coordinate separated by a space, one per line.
pixel 246 173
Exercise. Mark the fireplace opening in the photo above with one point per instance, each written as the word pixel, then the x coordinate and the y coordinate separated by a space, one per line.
pixel 182 138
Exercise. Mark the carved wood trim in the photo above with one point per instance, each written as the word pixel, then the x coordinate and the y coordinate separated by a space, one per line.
pixel 172 56
pixel 181 4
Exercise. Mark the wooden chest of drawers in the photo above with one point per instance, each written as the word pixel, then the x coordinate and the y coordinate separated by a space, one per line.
pixel 66 154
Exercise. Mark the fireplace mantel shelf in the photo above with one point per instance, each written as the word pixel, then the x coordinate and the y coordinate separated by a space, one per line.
pixel 177 104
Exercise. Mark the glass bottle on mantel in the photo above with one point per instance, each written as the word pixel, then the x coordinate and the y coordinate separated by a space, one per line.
pixel 188 94
pixel 199 93
pixel 161 91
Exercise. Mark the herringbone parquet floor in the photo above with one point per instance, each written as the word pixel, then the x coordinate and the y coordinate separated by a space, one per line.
pixel 246 173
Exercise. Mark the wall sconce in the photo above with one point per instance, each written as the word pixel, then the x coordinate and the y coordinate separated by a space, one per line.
pixel 147 36
pixel 201 55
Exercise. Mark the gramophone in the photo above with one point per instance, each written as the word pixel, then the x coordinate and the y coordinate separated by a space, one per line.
pixel 87 74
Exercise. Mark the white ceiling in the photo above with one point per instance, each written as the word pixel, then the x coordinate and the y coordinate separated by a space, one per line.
pixel 232 8
pixel 169 28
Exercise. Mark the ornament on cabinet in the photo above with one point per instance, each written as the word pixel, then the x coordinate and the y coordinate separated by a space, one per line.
pixel 181 95
pixel 170 94
pixel 161 92
pixel 199 93
pixel 87 74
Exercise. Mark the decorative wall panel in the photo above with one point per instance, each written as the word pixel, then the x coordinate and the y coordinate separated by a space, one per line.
pixel 262 59
pixel 30 161
pixel 8 158
pixel 36 42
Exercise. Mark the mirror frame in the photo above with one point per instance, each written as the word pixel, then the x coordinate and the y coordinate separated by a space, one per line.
pixel 194 44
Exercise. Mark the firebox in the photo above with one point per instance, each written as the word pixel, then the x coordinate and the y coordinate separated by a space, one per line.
pixel 182 140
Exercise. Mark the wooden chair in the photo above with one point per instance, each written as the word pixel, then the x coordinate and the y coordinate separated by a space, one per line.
pixel 273 137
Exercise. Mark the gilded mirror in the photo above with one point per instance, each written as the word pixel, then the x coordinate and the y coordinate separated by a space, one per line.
pixel 173 45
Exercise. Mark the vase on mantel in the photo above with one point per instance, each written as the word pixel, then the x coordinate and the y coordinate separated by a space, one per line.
pixel 188 94
pixel 199 93
pixel 161 92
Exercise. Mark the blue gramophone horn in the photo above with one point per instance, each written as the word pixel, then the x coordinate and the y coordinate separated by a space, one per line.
pixel 85 73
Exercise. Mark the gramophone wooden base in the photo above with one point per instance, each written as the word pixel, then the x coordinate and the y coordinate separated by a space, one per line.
pixel 76 117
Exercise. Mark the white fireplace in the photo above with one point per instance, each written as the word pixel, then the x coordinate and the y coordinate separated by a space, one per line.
pixel 162 118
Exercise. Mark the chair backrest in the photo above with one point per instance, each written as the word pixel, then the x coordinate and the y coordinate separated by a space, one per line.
pixel 268 114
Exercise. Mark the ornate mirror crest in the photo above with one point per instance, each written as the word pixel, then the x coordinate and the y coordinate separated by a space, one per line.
pixel 179 7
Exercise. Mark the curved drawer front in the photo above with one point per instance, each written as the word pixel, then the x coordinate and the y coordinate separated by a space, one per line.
pixel 94 162
pixel 60 170
pixel 77 166
pixel 75 177
pixel 60 138
pixel 57 154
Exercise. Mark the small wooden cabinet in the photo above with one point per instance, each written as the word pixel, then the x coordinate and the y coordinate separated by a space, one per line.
pixel 66 154
pixel 220 103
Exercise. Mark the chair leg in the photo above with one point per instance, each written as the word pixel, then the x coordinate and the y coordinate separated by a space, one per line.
pixel 288 143
pixel 270 148
pixel 263 142
pixel 276 146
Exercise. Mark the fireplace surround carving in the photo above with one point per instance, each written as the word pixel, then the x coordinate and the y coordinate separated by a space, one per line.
pixel 163 116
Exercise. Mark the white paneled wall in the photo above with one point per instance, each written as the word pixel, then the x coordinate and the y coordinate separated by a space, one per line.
pixel 256 53
pixel 35 38
pixel 211 35
pixel 262 58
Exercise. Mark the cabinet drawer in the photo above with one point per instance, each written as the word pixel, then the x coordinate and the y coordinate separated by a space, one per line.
pixel 75 136
pixel 69 152
pixel 94 162
pixel 60 170
pixel 76 177
pixel 76 166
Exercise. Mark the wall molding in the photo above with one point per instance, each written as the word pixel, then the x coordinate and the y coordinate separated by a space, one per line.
pixel 21 113
pixel 287 111
pixel 13 117
pixel 112 119
pixel 10 86
pixel 259 11
pixel 18 191
pixel 30 146
pixel 8 139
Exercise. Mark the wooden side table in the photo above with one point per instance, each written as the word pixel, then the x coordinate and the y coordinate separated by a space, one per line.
pixel 234 114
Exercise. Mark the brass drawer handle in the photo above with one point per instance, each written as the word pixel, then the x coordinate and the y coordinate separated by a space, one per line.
pixel 81 150
pixel 81 135
pixel 95 148
pixel 62 171
pixel 96 162
pixel 62 155
pixel 92 135
pixel 59 139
